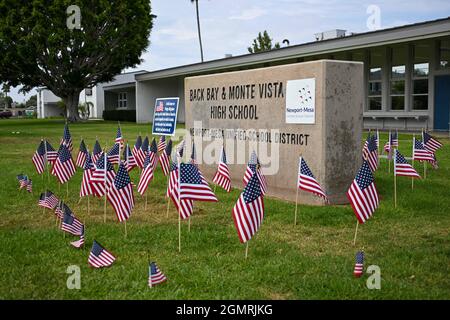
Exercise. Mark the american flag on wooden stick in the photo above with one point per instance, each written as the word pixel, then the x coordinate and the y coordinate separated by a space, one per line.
pixel 67 138
pixel 130 161
pixel 50 152
pixel 96 152
pixel 366 145
pixel 307 181
pixel 114 154
pixel 192 184
pixel 48 200
pixel 86 187
pixel 81 156
pixel 79 243
pixel 371 154
pixel 392 143
pixel 162 143
pixel 63 168
pixel 142 153
pixel 62 209
pixel 102 176
pixel 402 167
pixel 155 276
pixel 363 194
pixel 71 224
pixel 420 153
pixel 184 207
pixel 39 158
pixel 222 176
pixel 120 194
pixel 29 186
pixel 248 212
pixel 135 151
pixel 146 175
pixel 119 137
pixel 359 264
pixel 164 158
pixel 99 257
pixel 431 143
pixel 254 166
pixel 153 152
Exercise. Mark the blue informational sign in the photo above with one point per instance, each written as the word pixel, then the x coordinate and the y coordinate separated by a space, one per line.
pixel 165 116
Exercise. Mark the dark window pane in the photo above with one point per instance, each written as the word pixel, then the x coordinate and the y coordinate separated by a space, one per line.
pixel 375 88
pixel 420 86
pixel 420 102
pixel 375 74
pixel 398 103
pixel 375 103
pixel 398 87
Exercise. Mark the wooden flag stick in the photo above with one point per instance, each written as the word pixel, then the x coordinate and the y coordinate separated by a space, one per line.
pixel 126 229
pixel 104 210
pixel 296 206
pixel 215 188
pixel 145 200
pixel 412 178
pixel 189 224
pixel 67 189
pixel 395 190
pixel 356 232
pixel 168 205
pixel 389 160
pixel 179 231
pixel 424 169
pixel 89 208
pixel 246 250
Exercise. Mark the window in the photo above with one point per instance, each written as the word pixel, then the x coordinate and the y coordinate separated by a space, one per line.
pixel 122 100
pixel 88 92
pixel 397 83
pixel 375 84
pixel 420 77
pixel 444 54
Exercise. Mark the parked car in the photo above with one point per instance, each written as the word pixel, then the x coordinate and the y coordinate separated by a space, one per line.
pixel 5 114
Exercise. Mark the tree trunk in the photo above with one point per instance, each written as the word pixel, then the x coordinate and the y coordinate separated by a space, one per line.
pixel 71 101
pixel 198 28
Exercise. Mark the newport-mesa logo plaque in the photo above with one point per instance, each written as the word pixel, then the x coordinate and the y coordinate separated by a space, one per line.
pixel 312 109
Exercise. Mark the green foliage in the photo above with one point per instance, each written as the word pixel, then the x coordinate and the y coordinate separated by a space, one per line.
pixel 120 115
pixel 263 43
pixel 5 101
pixel 31 102
pixel 38 49
pixel 313 260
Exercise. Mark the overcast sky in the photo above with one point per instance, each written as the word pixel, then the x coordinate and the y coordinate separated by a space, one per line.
pixel 229 26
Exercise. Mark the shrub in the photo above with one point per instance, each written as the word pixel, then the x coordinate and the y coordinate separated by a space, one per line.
pixel 120 115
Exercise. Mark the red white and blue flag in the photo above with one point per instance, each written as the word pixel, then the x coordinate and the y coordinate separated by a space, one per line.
pixel 307 181
pixel 420 153
pixel 99 257
pixel 114 154
pixel 142 153
pixel 135 151
pixel 63 168
pixel 192 184
pixel 50 152
pixel 363 194
pixel 155 276
pixel 248 212
pixel 39 158
pixel 160 107
pixel 88 169
pixel 102 176
pixel 431 143
pixel 81 157
pixel 96 152
pixel 370 153
pixel 222 177
pixel 130 161
pixel 67 138
pixel 254 166
pixel 162 143
pixel 184 207
pixel 164 158
pixel 79 243
pixel 146 175
pixel 359 264
pixel 402 167
pixel 48 200
pixel 119 137
pixel 120 194
pixel 71 224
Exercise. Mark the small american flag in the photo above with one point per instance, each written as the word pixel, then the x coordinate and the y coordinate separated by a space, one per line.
pixel 62 209
pixel 307 181
pixel 71 224
pixel 359 264
pixel 363 194
pixel 81 156
pixel 135 151
pixel 143 151
pixel 248 212
pixel 155 276
pixel 39 158
pixel 391 143
pixel 366 145
pixel 50 152
pixel 130 161
pixel 162 143
pixel 222 176
pixel 114 154
pixel 79 243
pixel 22 180
pixel 64 168
pixel 394 139
pixel 67 138
pixel 102 176
pixel 184 207
pixel 146 175
pixel 160 107
pixel 120 195
pixel 96 152
pixel 48 200
pixel 252 167
pixel 179 149
pixel 402 167
pixel 29 185
pixel 100 257
pixel 164 158
pixel 420 153
pixel 192 184
pixel 153 151
pixel 431 143
pixel 371 154
pixel 86 188
pixel 119 138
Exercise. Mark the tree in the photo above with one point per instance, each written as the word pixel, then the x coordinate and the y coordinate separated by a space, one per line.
pixel 31 102
pixel 198 28
pixel 262 43
pixel 5 101
pixel 39 49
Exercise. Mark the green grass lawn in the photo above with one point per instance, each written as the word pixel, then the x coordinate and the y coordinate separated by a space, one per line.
pixel 313 260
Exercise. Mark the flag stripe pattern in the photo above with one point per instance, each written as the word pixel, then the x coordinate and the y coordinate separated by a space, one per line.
pixel 39 158
pixel 130 161
pixel 50 152
pixel 363 194
pixel 67 138
pixel 359 264
pixel 402 167
pixel 86 186
pixel 48 200
pixel 248 212
pixel 222 177
pixel 254 166
pixel 79 243
pixel 155 275
pixel 99 257
pixel 192 184
pixel 421 153
pixel 72 225
pixel 184 207
pixel 146 175
pixel 164 158
pixel 64 168
pixel 371 153
pixel 81 157
pixel 431 143
pixel 120 195
pixel 96 152
pixel 102 176
pixel 114 154
pixel 307 181
pixel 162 143
pixel 135 151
